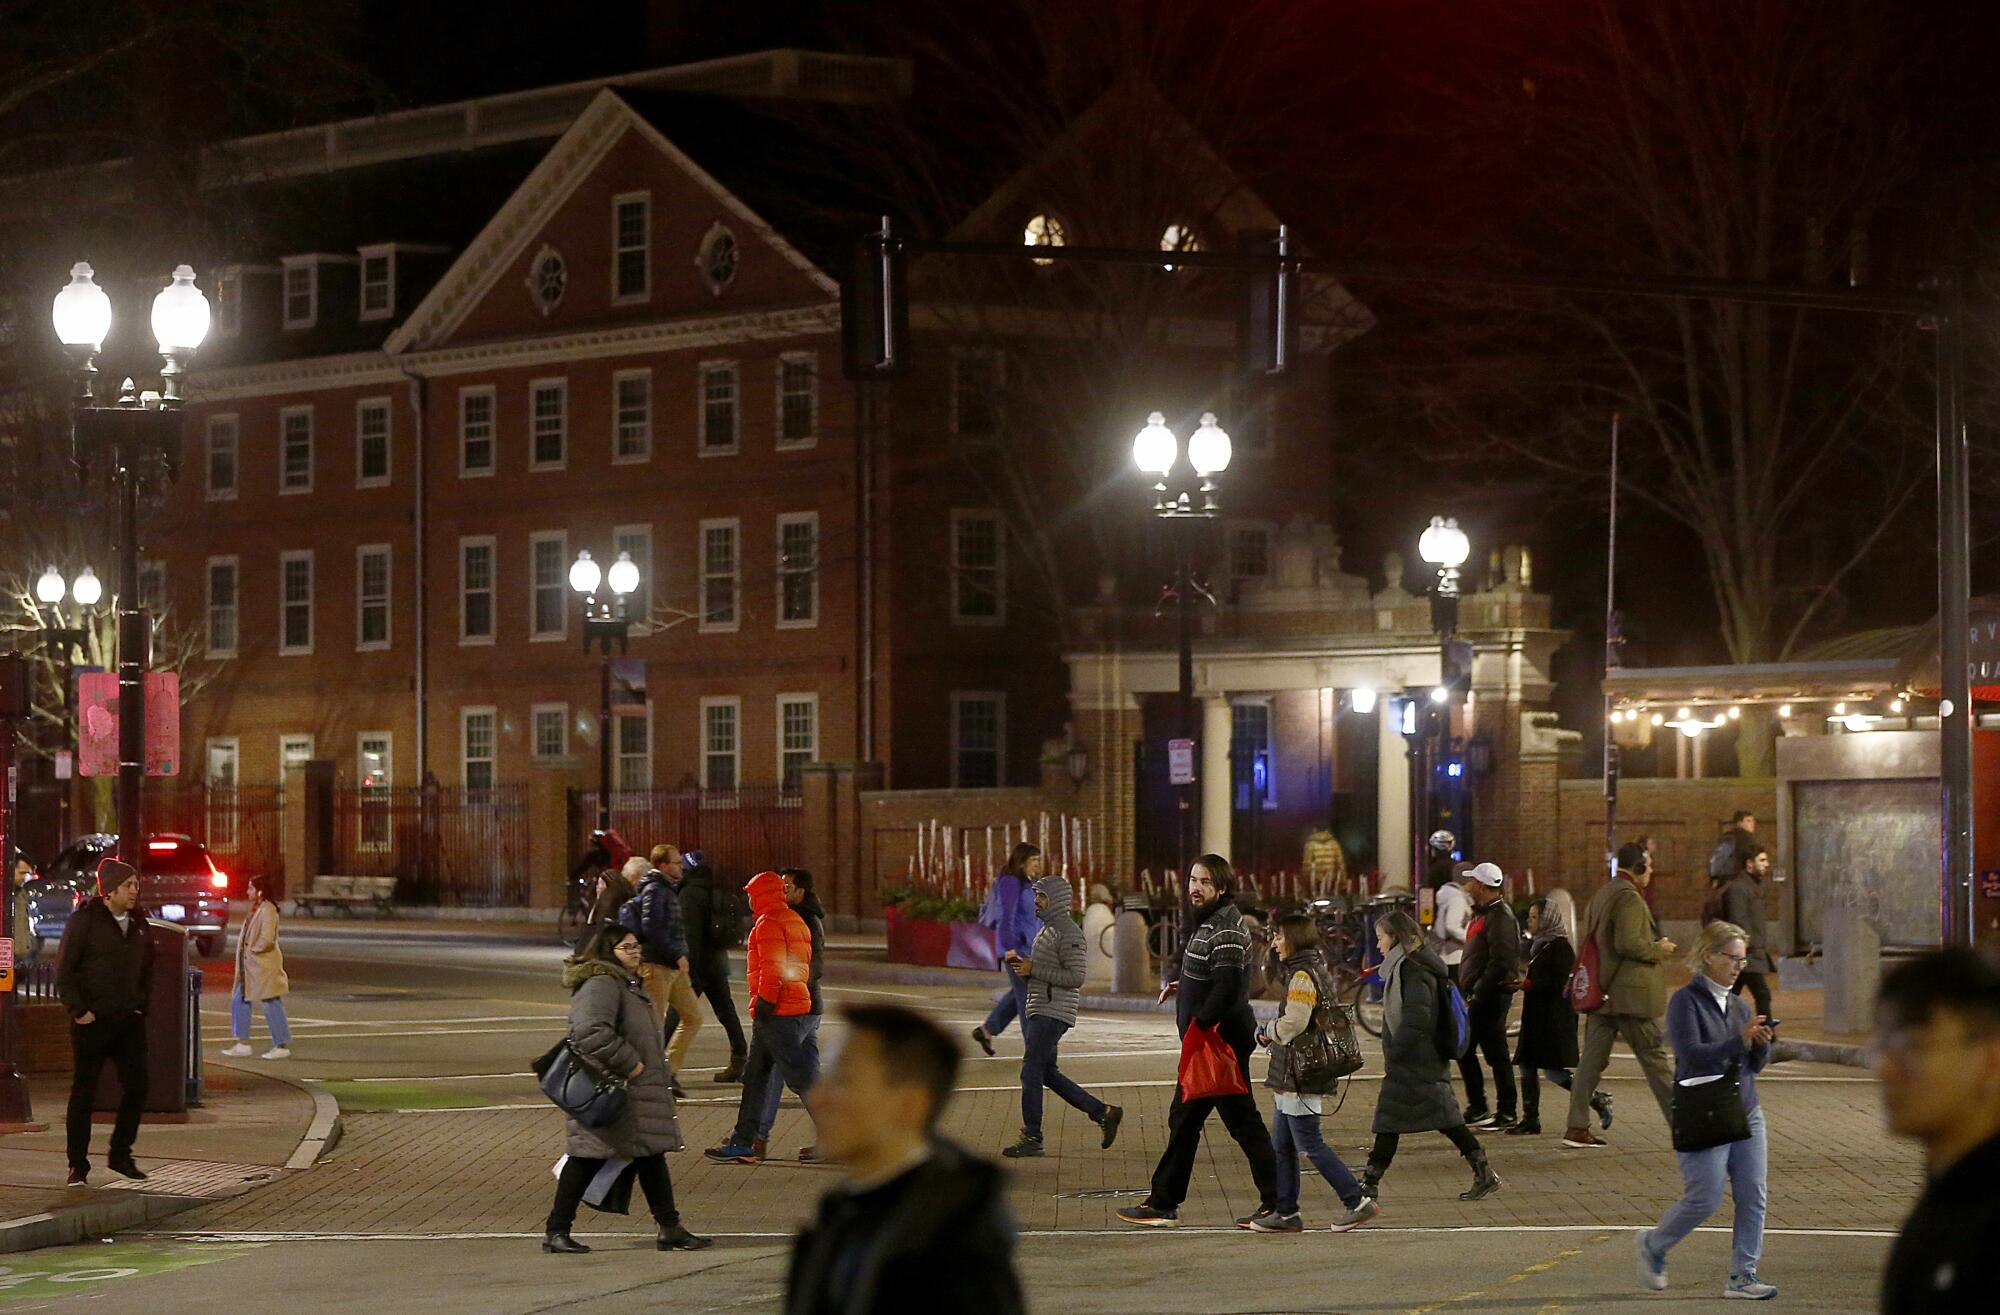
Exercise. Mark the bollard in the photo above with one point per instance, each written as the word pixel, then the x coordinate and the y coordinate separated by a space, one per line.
pixel 1853 970
pixel 1131 967
pixel 1098 921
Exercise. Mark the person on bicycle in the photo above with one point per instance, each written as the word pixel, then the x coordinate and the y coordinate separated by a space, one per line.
pixel 613 889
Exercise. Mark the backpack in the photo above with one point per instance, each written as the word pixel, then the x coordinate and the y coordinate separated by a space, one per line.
pixel 1722 859
pixel 989 908
pixel 1711 908
pixel 632 916
pixel 1454 1025
pixel 1586 980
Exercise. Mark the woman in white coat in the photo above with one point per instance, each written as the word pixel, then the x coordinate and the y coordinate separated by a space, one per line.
pixel 260 976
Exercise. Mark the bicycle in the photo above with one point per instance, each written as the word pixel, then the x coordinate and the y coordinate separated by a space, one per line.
pixel 574 915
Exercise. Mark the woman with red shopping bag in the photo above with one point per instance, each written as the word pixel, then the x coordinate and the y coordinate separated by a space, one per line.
pixel 1213 1013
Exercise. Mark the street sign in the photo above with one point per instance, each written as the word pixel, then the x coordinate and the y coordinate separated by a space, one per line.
pixel 1180 762
pixel 6 963
pixel 65 765
pixel 1989 885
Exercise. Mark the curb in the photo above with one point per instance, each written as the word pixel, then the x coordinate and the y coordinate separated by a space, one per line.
pixel 74 1224
pixel 973 979
pixel 1820 1052
pixel 323 1133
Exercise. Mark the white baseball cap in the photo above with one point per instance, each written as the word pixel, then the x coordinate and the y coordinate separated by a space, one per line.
pixel 1488 874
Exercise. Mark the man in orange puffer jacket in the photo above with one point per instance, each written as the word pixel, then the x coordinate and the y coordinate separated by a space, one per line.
pixel 780 953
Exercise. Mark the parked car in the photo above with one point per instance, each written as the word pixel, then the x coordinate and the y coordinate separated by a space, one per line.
pixel 178 882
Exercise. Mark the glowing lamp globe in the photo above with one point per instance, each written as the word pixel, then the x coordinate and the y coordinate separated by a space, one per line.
pixel 584 573
pixel 1208 447
pixel 87 588
pixel 180 314
pixel 1444 544
pixel 49 588
pixel 82 313
pixel 1154 450
pixel 624 575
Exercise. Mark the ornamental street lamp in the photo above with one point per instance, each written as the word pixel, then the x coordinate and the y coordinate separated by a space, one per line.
pixel 1183 494
pixel 63 642
pixel 1444 546
pixel 141 435
pixel 604 624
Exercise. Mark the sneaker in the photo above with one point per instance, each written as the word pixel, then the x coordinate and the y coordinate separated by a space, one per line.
pixel 810 1154
pixel 239 1050
pixel 78 1178
pixel 1652 1268
pixel 735 1152
pixel 1027 1148
pixel 1526 1128
pixel 1277 1223
pixel 1500 1123
pixel 1260 1214
pixel 1749 1287
pixel 1583 1139
pixel 1601 1102
pixel 1148 1216
pixel 1113 1116
pixel 1478 1118
pixel 985 1041
pixel 277 1052
pixel 1357 1215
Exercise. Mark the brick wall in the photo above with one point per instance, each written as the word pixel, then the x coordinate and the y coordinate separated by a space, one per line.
pixel 1683 818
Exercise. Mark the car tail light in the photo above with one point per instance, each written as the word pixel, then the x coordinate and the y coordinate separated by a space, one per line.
pixel 217 877
pixel 158 846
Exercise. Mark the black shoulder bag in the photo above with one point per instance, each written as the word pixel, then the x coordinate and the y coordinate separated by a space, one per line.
pixel 1710 1113
pixel 591 1095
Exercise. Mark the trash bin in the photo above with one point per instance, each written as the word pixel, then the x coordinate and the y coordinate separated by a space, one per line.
pixel 173 1029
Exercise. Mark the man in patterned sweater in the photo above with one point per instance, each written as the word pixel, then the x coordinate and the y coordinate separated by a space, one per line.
pixel 1213 990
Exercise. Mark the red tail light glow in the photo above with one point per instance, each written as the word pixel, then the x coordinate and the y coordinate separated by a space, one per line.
pixel 159 845
pixel 217 877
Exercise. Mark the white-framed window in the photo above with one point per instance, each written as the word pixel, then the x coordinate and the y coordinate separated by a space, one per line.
pixel 1250 755
pixel 548 424
pixel 372 573
pixel 301 291
pixel 374 772
pixel 978 739
pixel 637 541
pixel 294 751
pixel 153 586
pixel 798 570
pixel 220 437
pixel 1249 550
pixel 295 449
pixel 631 246
pixel 798 737
pixel 548 729
pixel 978 568
pixel 475 589
pixel 371 443
pixel 631 416
pixel 295 602
pixel 548 576
pixel 221 771
pixel 721 742
pixel 475 430
pixel 634 750
pixel 975 393
pixel 478 748
pixel 721 574
pixel 222 605
pixel 798 400
pixel 229 301
pixel 378 282
pixel 719 421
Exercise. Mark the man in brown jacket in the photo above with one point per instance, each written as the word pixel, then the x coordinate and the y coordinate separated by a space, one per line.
pixel 1635 993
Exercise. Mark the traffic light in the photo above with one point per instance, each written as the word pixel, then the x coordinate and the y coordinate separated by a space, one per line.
pixel 875 309
pixel 1267 336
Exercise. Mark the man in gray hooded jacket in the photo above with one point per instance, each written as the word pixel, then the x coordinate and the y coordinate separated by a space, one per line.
pixel 1054 972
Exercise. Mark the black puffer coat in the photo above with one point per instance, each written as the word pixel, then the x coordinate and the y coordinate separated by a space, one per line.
pixel 1416 1087
pixel 611 1023
pixel 1548 1024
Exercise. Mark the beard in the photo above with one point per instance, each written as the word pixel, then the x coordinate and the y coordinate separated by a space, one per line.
pixel 1203 912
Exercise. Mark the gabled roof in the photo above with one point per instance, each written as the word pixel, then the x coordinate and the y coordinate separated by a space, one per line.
pixel 518 222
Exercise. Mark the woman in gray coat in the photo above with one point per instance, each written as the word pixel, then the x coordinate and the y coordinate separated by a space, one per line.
pixel 612 1025
pixel 1416 1082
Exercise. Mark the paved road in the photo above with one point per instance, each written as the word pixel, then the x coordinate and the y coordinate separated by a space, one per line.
pixel 434 1200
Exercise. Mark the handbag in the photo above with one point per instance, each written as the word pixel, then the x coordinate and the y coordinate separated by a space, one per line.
pixel 1208 1066
pixel 1708 1112
pixel 591 1095
pixel 1326 1052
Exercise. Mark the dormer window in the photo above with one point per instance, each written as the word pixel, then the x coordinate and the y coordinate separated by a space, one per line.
pixel 378 282
pixel 301 291
pixel 1044 230
pixel 229 301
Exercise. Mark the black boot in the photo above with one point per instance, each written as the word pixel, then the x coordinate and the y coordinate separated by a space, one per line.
pixel 734 1072
pixel 1371 1182
pixel 1484 1181
pixel 675 1237
pixel 562 1244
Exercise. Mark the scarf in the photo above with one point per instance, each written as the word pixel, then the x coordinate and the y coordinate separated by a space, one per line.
pixel 1551 929
pixel 1392 998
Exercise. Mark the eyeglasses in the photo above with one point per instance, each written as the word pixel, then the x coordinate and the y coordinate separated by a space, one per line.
pixel 1731 958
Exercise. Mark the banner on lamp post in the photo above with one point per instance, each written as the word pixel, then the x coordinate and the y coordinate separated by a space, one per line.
pixel 97 723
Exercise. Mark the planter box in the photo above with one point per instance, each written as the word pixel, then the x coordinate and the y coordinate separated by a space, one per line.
pixel 938 944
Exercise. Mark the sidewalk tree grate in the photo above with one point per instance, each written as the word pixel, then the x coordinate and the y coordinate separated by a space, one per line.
pixel 206 1180
pixel 1102 1193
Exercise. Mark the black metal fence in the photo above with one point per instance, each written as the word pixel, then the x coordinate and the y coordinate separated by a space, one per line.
pixel 444 844
pixel 241 825
pixel 745 830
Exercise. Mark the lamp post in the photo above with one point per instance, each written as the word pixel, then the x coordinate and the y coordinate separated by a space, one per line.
pixel 62 642
pixel 142 433
pixel 1445 547
pixel 604 624
pixel 1184 494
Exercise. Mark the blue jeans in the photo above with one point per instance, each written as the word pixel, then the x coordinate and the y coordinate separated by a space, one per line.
pixel 274 1018
pixel 774 1088
pixel 1010 1006
pixel 1293 1133
pixel 784 1051
pixel 1038 1070
pixel 1742 1163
